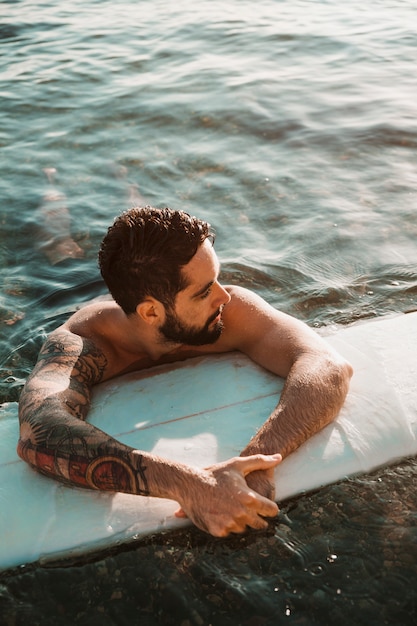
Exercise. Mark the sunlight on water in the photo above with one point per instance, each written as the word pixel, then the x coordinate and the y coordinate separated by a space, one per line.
pixel 291 127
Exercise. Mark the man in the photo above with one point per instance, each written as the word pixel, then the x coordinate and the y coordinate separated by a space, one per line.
pixel 162 271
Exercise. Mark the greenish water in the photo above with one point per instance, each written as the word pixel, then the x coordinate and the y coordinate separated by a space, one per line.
pixel 291 127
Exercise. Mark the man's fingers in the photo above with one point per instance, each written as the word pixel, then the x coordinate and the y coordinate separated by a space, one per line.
pixel 267 508
pixel 248 464
pixel 258 523
pixel 255 520
pixel 263 506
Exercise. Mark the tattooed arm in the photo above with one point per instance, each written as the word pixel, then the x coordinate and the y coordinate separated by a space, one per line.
pixel 54 437
pixel 56 440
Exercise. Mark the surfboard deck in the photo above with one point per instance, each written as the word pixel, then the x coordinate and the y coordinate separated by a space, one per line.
pixel 202 411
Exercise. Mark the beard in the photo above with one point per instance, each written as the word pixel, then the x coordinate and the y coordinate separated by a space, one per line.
pixel 175 331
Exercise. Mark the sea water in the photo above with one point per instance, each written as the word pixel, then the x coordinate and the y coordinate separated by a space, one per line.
pixel 291 126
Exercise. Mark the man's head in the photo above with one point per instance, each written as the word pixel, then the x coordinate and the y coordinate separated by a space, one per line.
pixel 144 251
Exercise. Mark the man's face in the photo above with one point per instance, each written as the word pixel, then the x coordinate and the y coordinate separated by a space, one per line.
pixel 196 318
pixel 175 330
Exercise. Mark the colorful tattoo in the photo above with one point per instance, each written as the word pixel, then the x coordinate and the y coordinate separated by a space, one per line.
pixel 106 472
pixel 55 439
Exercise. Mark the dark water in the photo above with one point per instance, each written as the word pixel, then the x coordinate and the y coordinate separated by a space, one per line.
pixel 292 128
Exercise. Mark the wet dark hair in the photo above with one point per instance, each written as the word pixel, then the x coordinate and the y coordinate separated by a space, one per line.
pixel 144 251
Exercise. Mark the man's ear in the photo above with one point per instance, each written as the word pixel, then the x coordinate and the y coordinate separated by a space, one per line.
pixel 151 311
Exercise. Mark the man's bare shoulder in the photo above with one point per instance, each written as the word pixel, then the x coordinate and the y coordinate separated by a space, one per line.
pixel 270 337
pixel 93 317
pixel 241 296
pixel 105 325
pixel 247 307
pixel 248 317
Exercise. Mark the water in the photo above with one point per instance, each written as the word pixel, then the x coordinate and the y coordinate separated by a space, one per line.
pixel 292 128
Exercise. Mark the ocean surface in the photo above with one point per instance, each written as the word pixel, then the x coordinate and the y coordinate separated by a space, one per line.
pixel 291 126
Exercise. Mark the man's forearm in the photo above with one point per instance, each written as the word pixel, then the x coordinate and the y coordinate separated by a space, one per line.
pixel 106 465
pixel 58 444
pixel 216 499
pixel 312 397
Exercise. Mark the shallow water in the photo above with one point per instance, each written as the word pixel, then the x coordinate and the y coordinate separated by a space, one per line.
pixel 291 127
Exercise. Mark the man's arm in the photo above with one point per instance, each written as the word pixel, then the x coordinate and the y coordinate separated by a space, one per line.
pixel 317 378
pixel 56 440
pixel 313 395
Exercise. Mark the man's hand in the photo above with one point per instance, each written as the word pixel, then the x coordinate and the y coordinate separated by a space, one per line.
pixel 263 482
pixel 224 503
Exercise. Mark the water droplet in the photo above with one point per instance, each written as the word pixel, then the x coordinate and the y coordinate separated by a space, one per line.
pixel 316 569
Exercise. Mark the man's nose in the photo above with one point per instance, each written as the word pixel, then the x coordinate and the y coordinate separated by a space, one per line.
pixel 223 295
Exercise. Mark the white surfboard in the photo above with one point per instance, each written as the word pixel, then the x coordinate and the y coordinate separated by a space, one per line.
pixel 202 411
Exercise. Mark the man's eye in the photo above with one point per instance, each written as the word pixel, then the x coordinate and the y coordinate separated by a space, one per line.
pixel 206 293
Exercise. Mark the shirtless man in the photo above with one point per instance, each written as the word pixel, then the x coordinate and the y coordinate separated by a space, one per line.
pixel 162 271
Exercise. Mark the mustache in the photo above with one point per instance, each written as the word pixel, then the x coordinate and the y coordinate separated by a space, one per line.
pixel 213 317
